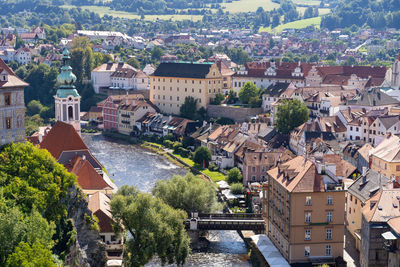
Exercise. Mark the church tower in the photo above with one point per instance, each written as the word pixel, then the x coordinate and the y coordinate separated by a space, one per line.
pixel 67 98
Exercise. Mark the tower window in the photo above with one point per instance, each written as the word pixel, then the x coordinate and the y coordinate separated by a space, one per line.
pixel 70 113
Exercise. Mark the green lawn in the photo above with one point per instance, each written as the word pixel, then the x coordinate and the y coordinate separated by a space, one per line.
pixel 248 5
pixel 103 10
pixel 299 24
pixel 215 176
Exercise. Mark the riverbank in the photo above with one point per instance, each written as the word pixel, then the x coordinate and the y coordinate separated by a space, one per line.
pixel 134 165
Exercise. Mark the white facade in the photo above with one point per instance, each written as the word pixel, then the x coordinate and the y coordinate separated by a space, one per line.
pixel 68 109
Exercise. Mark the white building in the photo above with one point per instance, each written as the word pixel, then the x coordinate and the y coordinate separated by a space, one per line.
pixel 129 79
pixel 101 76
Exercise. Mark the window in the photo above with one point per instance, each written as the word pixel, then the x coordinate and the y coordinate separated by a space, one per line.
pixel 330 200
pixel 307 234
pixel 308 201
pixel 253 169
pixel 329 216
pixel 328 234
pixel 8 123
pixel 308 217
pixel 177 98
pixel 7 99
pixel 328 250
pixel 307 251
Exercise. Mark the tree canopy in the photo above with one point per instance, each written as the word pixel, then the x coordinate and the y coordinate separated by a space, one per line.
pixel 202 156
pixel 155 228
pixel 248 91
pixel 290 114
pixel 189 108
pixel 234 176
pixel 187 193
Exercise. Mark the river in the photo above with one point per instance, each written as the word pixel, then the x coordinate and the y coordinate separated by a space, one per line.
pixel 133 165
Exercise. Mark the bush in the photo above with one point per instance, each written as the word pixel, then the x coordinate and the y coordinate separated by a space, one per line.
pixel 168 143
pixel 183 152
pixel 213 167
pixel 176 146
pixel 169 137
pixel 237 189
pixel 234 176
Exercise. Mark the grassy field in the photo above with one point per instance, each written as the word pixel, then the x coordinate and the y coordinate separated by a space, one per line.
pixel 307 2
pixel 299 24
pixel 248 5
pixel 102 10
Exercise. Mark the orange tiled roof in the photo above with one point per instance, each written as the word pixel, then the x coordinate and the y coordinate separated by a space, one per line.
pixel 62 137
pixel 88 177
pixel 298 175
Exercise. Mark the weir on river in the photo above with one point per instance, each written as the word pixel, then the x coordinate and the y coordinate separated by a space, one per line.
pixel 132 165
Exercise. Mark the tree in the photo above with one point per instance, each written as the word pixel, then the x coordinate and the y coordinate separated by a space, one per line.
pixel 157 53
pixel 237 188
pixel 31 255
pixel 187 193
pixel 33 178
pixel 189 108
pixel 276 20
pixel 234 176
pixel 133 62
pixel 155 228
pixel 218 99
pixel 290 114
pixel 34 107
pixel 248 91
pixel 88 62
pixel 202 156
pixel 77 63
pixel 350 61
pixel 81 42
pixel 16 227
pixel 232 97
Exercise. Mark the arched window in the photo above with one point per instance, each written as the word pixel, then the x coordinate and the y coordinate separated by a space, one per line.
pixel 70 113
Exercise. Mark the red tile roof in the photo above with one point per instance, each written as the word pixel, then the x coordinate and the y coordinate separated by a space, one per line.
pixel 62 137
pixel 98 203
pixel 88 177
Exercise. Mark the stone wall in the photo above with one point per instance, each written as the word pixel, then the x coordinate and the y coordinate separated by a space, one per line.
pixel 235 113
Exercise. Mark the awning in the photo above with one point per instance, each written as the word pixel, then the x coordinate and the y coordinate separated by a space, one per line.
pixel 389 236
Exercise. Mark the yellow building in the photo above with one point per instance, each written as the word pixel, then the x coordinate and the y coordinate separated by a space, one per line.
pixel 385 158
pixel 130 112
pixel 172 82
pixel 304 215
pixel 12 107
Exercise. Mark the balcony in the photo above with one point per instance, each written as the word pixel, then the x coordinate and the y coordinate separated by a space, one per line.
pixel 125 122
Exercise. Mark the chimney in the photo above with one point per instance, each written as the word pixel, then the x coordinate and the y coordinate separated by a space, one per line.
pixel 126 101
pixel 133 102
pixel 364 171
pixel 319 166
pixel 84 157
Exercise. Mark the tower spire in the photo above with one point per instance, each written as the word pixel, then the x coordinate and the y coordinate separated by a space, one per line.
pixel 67 98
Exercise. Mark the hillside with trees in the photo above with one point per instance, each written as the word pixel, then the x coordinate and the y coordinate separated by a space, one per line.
pixel 376 14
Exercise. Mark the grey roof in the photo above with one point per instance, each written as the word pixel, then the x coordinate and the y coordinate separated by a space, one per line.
pixel 372 97
pixel 389 121
pixel 66 156
pixel 275 90
pixel 183 69
pixel 365 190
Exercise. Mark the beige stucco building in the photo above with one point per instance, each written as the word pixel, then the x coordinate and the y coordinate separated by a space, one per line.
pixel 385 158
pixel 12 107
pixel 304 213
pixel 130 112
pixel 172 82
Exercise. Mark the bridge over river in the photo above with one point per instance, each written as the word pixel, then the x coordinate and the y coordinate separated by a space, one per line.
pixel 226 221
